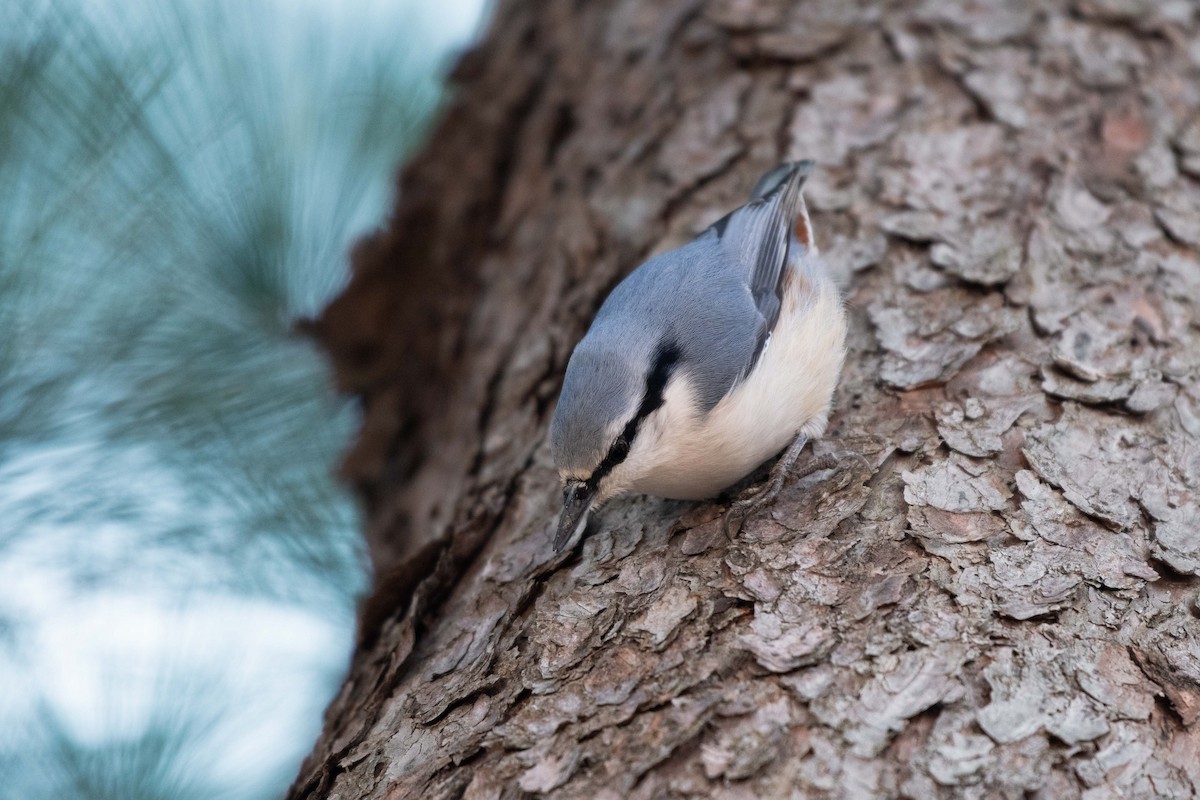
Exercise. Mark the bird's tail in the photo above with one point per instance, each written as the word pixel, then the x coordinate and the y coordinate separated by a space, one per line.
pixel 789 177
pixel 772 178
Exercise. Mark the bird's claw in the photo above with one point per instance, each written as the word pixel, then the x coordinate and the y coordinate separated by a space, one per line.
pixel 758 496
pixel 752 500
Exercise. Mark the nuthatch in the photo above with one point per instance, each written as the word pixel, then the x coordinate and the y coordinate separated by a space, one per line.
pixel 704 362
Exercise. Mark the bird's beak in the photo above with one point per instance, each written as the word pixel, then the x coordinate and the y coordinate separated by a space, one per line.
pixel 577 500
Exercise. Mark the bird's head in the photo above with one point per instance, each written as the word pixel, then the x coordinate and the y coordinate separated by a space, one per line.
pixel 599 435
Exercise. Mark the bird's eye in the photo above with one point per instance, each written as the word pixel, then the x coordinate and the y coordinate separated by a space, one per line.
pixel 620 448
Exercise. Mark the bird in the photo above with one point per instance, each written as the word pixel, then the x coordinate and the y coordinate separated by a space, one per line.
pixel 704 362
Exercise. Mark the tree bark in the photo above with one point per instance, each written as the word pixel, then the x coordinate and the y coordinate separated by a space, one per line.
pixel 1000 601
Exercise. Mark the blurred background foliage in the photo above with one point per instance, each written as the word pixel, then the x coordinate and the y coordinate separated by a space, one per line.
pixel 181 181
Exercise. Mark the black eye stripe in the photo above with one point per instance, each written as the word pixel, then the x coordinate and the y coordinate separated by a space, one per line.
pixel 665 360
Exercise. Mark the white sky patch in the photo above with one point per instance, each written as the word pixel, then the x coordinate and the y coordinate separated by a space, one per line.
pixel 251 675
pixel 112 659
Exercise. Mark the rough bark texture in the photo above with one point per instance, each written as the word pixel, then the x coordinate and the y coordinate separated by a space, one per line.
pixel 1000 602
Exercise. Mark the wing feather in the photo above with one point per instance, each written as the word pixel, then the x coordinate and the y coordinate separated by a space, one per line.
pixel 757 237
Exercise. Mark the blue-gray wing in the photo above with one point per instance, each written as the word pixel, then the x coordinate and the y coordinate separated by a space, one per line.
pixel 756 239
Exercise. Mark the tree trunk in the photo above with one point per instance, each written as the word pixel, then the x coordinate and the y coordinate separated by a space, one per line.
pixel 1000 601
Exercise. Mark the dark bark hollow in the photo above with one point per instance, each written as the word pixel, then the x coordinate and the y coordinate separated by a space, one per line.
pixel 1004 602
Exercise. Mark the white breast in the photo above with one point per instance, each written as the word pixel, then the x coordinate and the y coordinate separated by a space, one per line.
pixel 788 392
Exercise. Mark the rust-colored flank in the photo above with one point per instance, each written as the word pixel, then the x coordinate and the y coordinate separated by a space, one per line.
pixel 802 230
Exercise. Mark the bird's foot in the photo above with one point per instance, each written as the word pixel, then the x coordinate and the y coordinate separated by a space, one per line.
pixel 757 497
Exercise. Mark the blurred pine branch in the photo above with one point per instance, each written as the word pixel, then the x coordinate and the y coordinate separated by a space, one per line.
pixel 181 182
pixel 179 191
